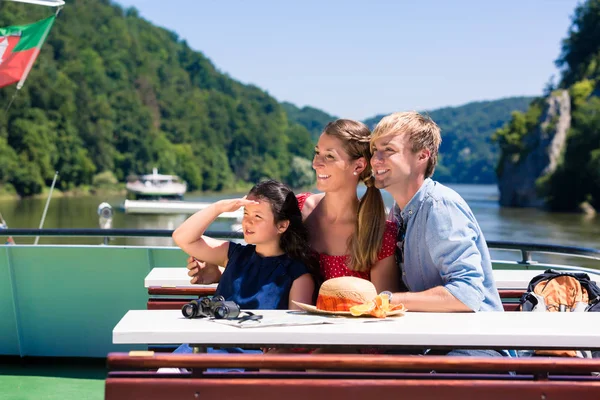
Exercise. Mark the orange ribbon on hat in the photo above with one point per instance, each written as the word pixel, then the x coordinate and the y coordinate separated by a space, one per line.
pixel 378 307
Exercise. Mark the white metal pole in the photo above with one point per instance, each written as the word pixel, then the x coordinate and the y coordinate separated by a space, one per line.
pixel 37 238
pixel 9 239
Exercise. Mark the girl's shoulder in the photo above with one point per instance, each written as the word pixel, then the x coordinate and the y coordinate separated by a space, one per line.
pixel 237 250
pixel 297 268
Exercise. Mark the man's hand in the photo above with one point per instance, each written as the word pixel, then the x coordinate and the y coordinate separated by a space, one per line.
pixel 203 273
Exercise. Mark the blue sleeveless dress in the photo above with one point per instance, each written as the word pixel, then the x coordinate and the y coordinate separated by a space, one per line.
pixel 255 283
pixel 258 283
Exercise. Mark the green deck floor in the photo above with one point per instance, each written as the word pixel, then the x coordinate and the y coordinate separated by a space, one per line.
pixel 52 379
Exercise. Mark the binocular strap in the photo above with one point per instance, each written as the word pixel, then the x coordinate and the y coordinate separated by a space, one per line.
pixel 250 317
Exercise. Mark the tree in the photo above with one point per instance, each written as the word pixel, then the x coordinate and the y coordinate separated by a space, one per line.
pixel 301 173
pixel 577 178
pixel 112 92
pixel 580 55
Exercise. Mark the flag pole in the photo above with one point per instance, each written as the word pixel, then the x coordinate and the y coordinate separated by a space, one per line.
pixel 48 3
pixel 38 50
pixel 11 101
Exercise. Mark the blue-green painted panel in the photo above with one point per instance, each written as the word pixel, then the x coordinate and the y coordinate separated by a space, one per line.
pixel 164 257
pixel 9 340
pixel 70 298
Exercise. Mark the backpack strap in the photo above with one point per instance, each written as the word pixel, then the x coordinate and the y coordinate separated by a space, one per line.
pixel 532 302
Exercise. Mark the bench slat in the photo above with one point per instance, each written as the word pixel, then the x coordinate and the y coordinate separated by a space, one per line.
pixel 344 389
pixel 363 362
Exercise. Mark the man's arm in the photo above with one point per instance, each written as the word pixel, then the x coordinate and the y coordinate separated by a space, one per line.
pixel 450 238
pixel 437 299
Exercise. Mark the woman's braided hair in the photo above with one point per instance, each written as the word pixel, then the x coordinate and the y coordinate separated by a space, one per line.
pixel 366 241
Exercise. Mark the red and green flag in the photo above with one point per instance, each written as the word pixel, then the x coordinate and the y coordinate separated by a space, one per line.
pixel 19 47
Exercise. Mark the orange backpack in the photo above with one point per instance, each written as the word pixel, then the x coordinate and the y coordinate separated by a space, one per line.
pixel 555 291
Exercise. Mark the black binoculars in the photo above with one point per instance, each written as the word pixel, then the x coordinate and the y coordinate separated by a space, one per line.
pixel 211 307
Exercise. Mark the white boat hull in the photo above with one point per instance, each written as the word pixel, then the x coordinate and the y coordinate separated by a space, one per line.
pixel 174 189
pixel 171 207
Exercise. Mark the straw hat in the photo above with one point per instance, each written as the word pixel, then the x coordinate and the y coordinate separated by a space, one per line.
pixel 351 296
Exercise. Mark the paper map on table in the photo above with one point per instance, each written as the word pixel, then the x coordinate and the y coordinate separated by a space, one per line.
pixel 294 318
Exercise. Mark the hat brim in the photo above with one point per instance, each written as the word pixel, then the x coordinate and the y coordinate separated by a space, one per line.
pixel 315 310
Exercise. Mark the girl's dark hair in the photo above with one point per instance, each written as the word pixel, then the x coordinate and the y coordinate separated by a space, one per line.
pixel 294 241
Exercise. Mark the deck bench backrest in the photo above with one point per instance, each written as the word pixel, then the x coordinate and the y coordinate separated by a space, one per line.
pixel 351 376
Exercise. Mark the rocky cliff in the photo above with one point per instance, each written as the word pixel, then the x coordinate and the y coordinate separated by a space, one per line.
pixel 541 149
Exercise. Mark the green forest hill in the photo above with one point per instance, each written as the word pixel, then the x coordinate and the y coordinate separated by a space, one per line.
pixel 467 153
pixel 575 181
pixel 112 95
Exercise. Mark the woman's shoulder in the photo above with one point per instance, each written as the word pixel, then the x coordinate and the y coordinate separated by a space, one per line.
pixel 309 201
pixel 388 245
pixel 391 226
pixel 390 231
pixel 303 196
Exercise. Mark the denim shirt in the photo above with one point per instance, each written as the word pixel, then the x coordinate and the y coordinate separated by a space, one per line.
pixel 444 246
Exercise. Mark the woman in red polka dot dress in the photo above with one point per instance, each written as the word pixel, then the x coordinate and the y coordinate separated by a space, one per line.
pixel 351 236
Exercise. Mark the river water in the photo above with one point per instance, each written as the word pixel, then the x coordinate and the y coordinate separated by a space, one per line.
pixel 498 223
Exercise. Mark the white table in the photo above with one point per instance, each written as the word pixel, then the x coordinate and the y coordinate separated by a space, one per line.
pixel 427 330
pixel 178 277
pixel 171 278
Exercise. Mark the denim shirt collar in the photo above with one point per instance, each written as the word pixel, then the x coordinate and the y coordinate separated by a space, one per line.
pixel 415 203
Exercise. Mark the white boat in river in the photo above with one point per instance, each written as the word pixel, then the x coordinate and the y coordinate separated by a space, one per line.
pixel 156 186
pixel 172 207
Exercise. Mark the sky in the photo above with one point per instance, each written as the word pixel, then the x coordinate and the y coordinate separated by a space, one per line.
pixel 356 59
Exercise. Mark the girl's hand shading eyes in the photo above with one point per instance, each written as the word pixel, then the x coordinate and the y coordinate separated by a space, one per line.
pixel 229 205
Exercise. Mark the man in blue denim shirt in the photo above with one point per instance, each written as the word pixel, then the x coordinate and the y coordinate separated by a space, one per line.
pixel 442 254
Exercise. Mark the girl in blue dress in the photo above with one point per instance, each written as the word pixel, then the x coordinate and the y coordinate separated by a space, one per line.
pixel 274 268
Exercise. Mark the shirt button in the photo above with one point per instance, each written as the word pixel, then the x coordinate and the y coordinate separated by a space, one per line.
pixel 410 211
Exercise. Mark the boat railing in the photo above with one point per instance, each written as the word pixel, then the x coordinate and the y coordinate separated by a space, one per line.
pixel 96 232
pixel 526 250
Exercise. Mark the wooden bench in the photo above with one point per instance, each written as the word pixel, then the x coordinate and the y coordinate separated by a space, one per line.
pixel 169 288
pixel 171 298
pixel 296 376
pixel 510 297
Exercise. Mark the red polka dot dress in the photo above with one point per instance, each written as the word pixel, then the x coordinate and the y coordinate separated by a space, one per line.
pixel 335 266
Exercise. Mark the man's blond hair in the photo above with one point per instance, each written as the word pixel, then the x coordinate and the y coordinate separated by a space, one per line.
pixel 422 133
